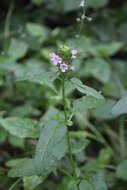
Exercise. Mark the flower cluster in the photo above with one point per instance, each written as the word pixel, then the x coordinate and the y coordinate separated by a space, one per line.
pixel 63 64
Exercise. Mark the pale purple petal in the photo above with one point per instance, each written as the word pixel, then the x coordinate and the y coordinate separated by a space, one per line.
pixel 74 51
pixel 63 67
pixel 72 68
pixel 52 54
pixel 73 56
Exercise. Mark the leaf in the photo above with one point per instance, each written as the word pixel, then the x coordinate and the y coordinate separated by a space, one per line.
pixel 20 127
pixel 17 49
pixel 72 5
pixel 95 182
pixel 86 102
pixel 37 30
pixel 78 142
pixel 120 107
pixel 30 183
pixel 96 3
pixel 85 89
pixel 108 49
pixel 39 77
pixel 51 147
pixel 68 183
pixel 98 68
pixel 16 141
pixel 24 167
pixel 104 111
pixel 122 170
pixel 84 185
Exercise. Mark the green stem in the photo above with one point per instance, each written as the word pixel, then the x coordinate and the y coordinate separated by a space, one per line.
pixel 7 25
pixel 67 134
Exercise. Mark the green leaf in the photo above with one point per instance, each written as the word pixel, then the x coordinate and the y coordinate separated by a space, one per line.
pixel 71 5
pixel 122 170
pixel 85 89
pixel 78 141
pixel 20 127
pixel 17 49
pixel 68 183
pixel 120 107
pixel 98 68
pixel 39 77
pixel 30 183
pixel 104 111
pixel 16 141
pixel 95 182
pixel 37 30
pixel 96 3
pixel 86 102
pixel 108 49
pixel 15 184
pixel 51 147
pixel 85 185
pixel 24 167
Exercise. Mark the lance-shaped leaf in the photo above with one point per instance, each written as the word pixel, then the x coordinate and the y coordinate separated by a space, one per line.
pixel 85 89
pixel 20 127
pixel 51 147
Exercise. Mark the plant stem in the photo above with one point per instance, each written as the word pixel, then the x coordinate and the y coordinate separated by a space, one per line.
pixel 67 134
pixel 7 25
pixel 122 138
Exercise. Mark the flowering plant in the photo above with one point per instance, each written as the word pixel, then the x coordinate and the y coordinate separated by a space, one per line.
pixel 63 60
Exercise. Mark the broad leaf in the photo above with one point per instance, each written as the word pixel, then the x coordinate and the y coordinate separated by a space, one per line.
pixel 122 170
pixel 39 77
pixel 17 49
pixel 30 183
pixel 20 127
pixel 23 167
pixel 51 147
pixel 85 89
pixel 120 107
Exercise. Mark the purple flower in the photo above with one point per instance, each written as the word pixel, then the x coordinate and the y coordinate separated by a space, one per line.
pixel 72 68
pixel 63 67
pixel 56 59
pixel 74 53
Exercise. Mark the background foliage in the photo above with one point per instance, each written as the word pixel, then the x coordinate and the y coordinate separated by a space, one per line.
pixel 30 95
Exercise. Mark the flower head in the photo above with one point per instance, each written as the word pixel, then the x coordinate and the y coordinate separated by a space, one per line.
pixel 56 59
pixel 72 68
pixel 63 67
pixel 82 3
pixel 74 53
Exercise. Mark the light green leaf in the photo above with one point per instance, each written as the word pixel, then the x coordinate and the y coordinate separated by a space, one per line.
pixel 30 183
pixel 78 141
pixel 17 49
pixel 85 185
pixel 122 170
pixel 51 147
pixel 98 68
pixel 86 102
pixel 108 49
pixel 96 182
pixel 24 167
pixel 37 30
pixel 120 107
pixel 20 127
pixel 85 89
pixel 41 77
